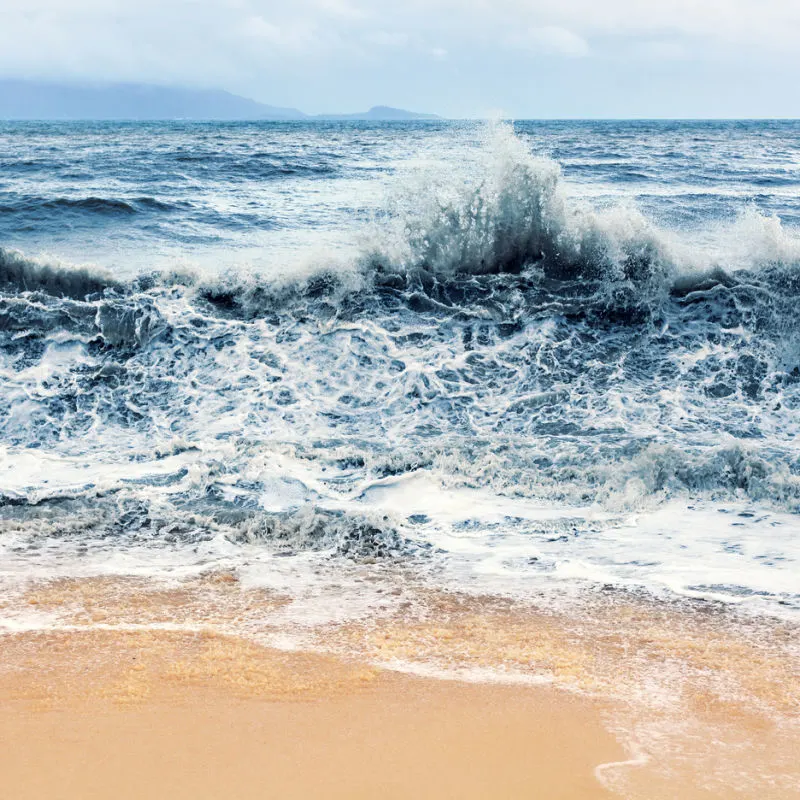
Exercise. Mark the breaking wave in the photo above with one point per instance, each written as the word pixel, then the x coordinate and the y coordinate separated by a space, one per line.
pixel 20 274
pixel 493 332
pixel 510 228
pixel 504 224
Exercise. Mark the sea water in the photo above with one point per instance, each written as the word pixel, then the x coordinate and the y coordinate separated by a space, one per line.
pixel 550 355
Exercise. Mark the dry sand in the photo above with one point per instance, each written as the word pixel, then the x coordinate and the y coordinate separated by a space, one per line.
pixel 162 715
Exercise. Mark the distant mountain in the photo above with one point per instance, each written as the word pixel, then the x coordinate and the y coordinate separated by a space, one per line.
pixel 34 100
pixel 380 113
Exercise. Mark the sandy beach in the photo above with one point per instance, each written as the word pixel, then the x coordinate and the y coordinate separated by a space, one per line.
pixel 104 715
pixel 122 688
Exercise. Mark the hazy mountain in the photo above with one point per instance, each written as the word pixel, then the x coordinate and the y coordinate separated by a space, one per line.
pixel 33 100
pixel 380 113
pixel 21 99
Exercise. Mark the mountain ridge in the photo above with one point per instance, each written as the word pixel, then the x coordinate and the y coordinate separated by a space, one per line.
pixel 22 99
pixel 384 113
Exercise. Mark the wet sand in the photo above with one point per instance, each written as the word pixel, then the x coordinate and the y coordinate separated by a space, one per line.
pixel 119 687
pixel 147 714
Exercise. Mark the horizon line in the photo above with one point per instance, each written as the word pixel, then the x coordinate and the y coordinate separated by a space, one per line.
pixel 333 117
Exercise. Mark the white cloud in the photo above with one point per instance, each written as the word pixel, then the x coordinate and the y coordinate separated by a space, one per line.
pixel 552 40
pixel 42 31
pixel 273 46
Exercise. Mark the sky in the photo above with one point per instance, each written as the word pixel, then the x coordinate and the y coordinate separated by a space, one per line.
pixel 457 58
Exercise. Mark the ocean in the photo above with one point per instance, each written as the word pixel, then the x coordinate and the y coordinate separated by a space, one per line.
pixel 542 364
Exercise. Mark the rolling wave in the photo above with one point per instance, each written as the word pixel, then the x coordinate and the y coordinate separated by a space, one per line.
pixel 19 274
pixel 492 332
pixel 104 206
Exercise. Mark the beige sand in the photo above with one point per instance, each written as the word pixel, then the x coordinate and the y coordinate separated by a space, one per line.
pixel 114 703
pixel 149 715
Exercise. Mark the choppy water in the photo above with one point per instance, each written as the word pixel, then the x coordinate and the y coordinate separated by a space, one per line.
pixel 554 360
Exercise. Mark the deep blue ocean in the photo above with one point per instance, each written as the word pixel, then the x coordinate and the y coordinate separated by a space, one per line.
pixel 547 356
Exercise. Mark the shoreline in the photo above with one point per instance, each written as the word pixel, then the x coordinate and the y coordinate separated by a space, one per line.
pixel 621 698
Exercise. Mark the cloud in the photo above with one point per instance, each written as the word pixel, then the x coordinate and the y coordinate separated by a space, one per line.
pixel 328 49
pixel 200 34
pixel 552 40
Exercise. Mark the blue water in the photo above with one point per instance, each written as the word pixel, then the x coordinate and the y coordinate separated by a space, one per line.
pixel 105 191
pixel 563 355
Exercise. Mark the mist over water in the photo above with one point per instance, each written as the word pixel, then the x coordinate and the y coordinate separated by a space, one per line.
pixel 555 358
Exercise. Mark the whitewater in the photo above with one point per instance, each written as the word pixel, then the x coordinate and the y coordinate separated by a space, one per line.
pixel 494 361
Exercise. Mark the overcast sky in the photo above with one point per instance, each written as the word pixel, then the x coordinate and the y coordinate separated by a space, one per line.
pixel 525 58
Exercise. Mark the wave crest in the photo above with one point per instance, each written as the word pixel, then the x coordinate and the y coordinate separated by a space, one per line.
pixel 512 216
pixel 21 274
